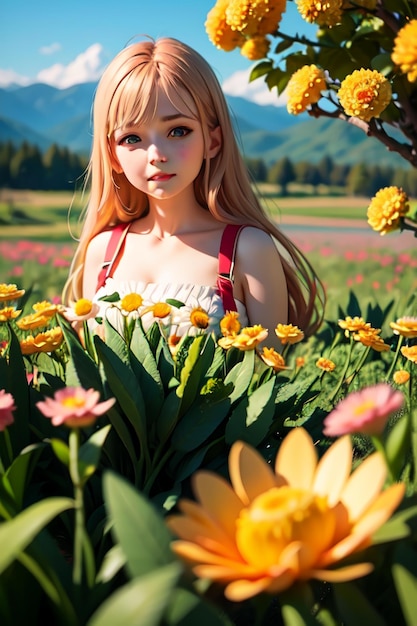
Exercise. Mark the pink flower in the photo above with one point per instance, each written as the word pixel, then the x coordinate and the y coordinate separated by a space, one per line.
pixel 7 406
pixel 75 407
pixel 366 411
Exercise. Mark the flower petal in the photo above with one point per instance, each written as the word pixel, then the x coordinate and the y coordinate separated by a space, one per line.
pixel 249 473
pixel 350 572
pixel 364 485
pixel 240 590
pixel 297 459
pixel 218 498
pixel 333 470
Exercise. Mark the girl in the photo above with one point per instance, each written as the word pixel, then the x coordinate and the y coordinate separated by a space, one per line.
pixel 171 211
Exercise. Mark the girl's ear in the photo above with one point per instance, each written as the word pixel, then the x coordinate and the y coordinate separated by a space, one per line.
pixel 113 160
pixel 216 141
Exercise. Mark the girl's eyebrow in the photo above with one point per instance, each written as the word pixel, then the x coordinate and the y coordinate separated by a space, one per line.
pixel 175 116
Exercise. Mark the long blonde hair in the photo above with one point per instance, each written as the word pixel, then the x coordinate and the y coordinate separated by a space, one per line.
pixel 126 95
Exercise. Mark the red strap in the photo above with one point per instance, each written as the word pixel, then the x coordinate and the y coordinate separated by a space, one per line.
pixel 111 249
pixel 226 265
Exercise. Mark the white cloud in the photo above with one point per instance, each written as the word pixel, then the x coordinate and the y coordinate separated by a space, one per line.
pixel 53 47
pixel 86 67
pixel 257 91
pixel 10 77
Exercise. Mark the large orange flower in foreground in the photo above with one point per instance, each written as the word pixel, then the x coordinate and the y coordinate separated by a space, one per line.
pixel 271 528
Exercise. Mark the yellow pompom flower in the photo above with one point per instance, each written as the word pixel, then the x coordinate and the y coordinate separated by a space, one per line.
pixel 365 94
pixel 254 17
pixel 304 88
pixel 405 326
pixel 34 320
pixel 326 365
pixel 369 337
pixel 43 342
pixel 401 377
pixel 410 353
pixel 219 31
pixel 321 12
pixel 9 313
pixel 229 324
pixel 288 333
pixel 387 207
pixel 297 519
pixel 273 359
pixel 249 337
pixel 404 53
pixel 9 292
pixel 255 48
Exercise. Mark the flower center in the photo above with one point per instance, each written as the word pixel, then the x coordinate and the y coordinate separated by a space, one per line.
pixel 363 408
pixel 365 95
pixel 131 302
pixel 280 517
pixel 74 402
pixel 83 306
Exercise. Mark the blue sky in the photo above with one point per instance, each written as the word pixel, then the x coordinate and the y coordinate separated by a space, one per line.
pixel 63 43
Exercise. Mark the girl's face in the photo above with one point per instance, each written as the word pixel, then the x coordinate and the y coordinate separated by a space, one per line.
pixel 163 157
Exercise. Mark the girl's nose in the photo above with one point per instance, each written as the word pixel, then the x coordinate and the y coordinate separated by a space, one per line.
pixel 156 155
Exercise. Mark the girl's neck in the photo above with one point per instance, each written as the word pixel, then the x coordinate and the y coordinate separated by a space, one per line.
pixel 168 218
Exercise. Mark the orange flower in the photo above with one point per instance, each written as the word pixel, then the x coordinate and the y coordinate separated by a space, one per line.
pixel 229 324
pixel 9 292
pixel 274 359
pixel 287 333
pixel 321 12
pixel 300 361
pixel 387 208
pixel 43 342
pixel 255 48
pixel 34 320
pixel 401 377
pixel 254 17
pixel 405 326
pixel 353 324
pixel 404 53
pixel 370 337
pixel 8 313
pixel 304 88
pixel 365 94
pixel 219 31
pixel 199 318
pixel 325 364
pixel 46 308
pixel 249 337
pixel 269 529
pixel 410 353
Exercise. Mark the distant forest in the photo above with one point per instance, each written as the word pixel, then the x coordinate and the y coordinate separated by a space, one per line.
pixel 26 167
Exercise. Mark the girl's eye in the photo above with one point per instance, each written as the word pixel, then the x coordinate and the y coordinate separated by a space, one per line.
pixel 180 131
pixel 130 139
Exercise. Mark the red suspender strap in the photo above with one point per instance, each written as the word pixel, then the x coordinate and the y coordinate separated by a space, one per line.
pixel 226 265
pixel 113 247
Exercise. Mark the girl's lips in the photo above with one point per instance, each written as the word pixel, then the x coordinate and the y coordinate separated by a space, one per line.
pixel 159 177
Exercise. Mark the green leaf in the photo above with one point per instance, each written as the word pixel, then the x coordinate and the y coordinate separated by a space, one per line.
pixel 90 451
pixel 168 416
pixel 398 443
pixel 20 471
pixel 199 359
pixel 404 572
pixel 187 609
pixel 146 371
pixel 17 533
pixel 141 601
pixel 252 418
pixel 140 530
pixel 114 560
pixel 61 451
pixel 200 421
pixel 85 369
pixel 241 375
pixel 353 605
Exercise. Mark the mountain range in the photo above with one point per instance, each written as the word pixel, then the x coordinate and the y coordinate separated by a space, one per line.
pixel 41 114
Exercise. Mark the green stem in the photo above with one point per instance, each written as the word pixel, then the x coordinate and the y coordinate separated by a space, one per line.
pixel 155 471
pixel 74 444
pixel 379 446
pixel 359 366
pixel 344 372
pixel 394 362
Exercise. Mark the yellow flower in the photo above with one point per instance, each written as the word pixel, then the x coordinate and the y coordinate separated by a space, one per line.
pixel 304 88
pixel 43 342
pixel 10 292
pixel 300 361
pixel 161 309
pixel 226 342
pixel 270 528
pixel 34 320
pixel 387 207
pixel 255 48
pixel 404 53
pixel 254 17
pixel 229 324
pixel 325 364
pixel 46 308
pixel 365 94
pixel 287 333
pixel 199 318
pixel 81 310
pixel 321 12
pixel 8 313
pixel 218 30
pixel 370 337
pixel 405 326
pixel 410 353
pixel 131 302
pixel 401 377
pixel 353 324
pixel 274 359
pixel 249 337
